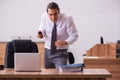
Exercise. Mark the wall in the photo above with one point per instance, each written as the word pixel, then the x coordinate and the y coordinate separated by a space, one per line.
pixel 93 18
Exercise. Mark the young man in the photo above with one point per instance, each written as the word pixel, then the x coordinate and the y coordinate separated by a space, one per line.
pixel 65 32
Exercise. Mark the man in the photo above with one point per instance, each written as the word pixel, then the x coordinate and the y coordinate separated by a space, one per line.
pixel 56 48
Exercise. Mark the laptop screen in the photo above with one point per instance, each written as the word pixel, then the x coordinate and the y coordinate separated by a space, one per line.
pixel 27 62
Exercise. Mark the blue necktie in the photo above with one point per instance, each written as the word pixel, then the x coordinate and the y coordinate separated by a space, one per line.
pixel 53 39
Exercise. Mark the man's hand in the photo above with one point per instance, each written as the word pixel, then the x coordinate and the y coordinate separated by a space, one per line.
pixel 60 43
pixel 39 35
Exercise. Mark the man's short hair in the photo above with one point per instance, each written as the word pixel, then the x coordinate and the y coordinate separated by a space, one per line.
pixel 53 5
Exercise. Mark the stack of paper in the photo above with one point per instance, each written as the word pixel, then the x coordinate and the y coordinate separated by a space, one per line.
pixel 71 67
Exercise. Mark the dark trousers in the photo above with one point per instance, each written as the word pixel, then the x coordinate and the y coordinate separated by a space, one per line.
pixel 54 60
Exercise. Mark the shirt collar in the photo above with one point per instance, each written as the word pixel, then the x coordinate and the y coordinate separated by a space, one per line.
pixel 57 22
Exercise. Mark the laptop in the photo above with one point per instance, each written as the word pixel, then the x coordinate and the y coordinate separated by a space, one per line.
pixel 27 62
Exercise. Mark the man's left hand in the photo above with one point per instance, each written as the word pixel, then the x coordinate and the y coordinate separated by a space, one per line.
pixel 60 43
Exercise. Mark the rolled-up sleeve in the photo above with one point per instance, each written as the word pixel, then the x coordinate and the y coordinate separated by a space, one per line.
pixel 42 26
pixel 72 31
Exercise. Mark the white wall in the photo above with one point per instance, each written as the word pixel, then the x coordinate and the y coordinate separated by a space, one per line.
pixel 93 18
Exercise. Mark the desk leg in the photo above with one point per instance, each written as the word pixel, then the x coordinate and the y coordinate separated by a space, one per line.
pixel 22 79
pixel 74 78
pixel 52 78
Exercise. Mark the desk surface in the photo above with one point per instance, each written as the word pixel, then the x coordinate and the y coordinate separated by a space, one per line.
pixel 89 73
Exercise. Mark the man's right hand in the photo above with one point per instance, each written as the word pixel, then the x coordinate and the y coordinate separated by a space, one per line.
pixel 40 35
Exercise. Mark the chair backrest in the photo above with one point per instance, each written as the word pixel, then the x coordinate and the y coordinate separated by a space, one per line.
pixel 18 46
pixel 71 58
pixel 118 46
pixel 118 49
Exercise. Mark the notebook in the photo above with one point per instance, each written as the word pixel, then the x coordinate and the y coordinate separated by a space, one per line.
pixel 27 62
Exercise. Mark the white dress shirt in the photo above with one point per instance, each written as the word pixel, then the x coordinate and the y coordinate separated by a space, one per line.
pixel 66 30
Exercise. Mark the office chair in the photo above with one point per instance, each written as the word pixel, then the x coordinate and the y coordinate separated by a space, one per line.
pixel 71 58
pixel 118 49
pixel 18 46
